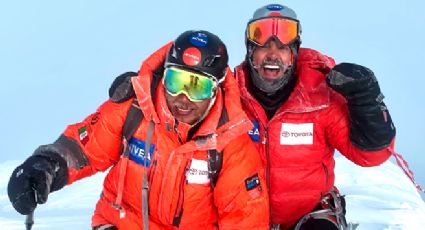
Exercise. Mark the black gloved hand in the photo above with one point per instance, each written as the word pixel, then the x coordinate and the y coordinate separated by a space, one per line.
pixel 31 182
pixel 122 88
pixel 371 127
pixel 356 83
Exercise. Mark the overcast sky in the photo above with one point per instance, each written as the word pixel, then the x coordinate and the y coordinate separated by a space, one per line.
pixel 58 58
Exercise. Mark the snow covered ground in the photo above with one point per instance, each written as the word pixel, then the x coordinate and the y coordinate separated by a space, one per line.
pixel 380 197
pixel 377 198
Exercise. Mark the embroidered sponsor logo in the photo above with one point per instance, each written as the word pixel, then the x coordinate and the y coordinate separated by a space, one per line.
pixel 296 134
pixel 137 152
pixel 198 172
pixel 199 39
pixel 252 182
pixel 95 118
pixel 254 133
pixel 84 135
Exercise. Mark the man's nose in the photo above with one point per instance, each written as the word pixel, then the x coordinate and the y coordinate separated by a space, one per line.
pixel 273 49
pixel 183 98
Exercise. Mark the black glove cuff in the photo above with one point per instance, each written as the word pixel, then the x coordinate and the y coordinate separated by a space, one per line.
pixel 59 169
pixel 371 126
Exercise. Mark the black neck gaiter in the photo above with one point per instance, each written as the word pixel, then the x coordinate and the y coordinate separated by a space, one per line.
pixel 272 102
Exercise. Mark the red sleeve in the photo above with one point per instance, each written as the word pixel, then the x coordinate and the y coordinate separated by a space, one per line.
pixel 97 139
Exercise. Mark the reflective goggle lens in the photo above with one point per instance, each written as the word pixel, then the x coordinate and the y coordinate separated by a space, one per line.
pixel 259 31
pixel 196 87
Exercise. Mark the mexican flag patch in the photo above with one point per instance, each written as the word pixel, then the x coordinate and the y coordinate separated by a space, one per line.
pixel 84 135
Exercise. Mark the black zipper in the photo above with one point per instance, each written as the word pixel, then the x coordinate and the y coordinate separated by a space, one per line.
pixel 265 142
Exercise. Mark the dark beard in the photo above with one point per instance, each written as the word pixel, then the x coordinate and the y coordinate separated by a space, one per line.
pixel 271 86
pixel 267 85
pixel 272 102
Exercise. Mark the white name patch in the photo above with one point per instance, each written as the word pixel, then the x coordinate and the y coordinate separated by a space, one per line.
pixel 198 172
pixel 296 134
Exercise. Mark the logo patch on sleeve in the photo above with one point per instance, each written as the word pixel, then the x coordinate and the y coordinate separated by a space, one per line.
pixel 296 134
pixel 198 172
pixel 137 152
pixel 95 118
pixel 252 182
pixel 84 135
pixel 254 133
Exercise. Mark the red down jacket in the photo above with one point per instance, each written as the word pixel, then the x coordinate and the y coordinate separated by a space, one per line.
pixel 297 145
pixel 180 195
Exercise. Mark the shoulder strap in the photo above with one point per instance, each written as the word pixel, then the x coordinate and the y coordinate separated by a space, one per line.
pixel 145 186
pixel 131 123
pixel 135 114
pixel 215 161
pixel 120 91
pixel 215 158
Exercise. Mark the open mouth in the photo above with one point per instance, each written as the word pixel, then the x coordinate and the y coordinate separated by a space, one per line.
pixel 182 110
pixel 271 70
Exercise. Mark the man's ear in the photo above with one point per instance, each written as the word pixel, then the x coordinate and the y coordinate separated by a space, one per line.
pixel 121 89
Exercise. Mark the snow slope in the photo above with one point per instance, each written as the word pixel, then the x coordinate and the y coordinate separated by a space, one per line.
pixel 380 197
pixel 377 198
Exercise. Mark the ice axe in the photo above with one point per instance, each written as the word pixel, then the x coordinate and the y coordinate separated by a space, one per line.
pixel 29 220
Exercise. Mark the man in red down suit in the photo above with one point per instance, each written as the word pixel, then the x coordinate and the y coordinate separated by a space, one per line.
pixel 191 106
pixel 303 107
